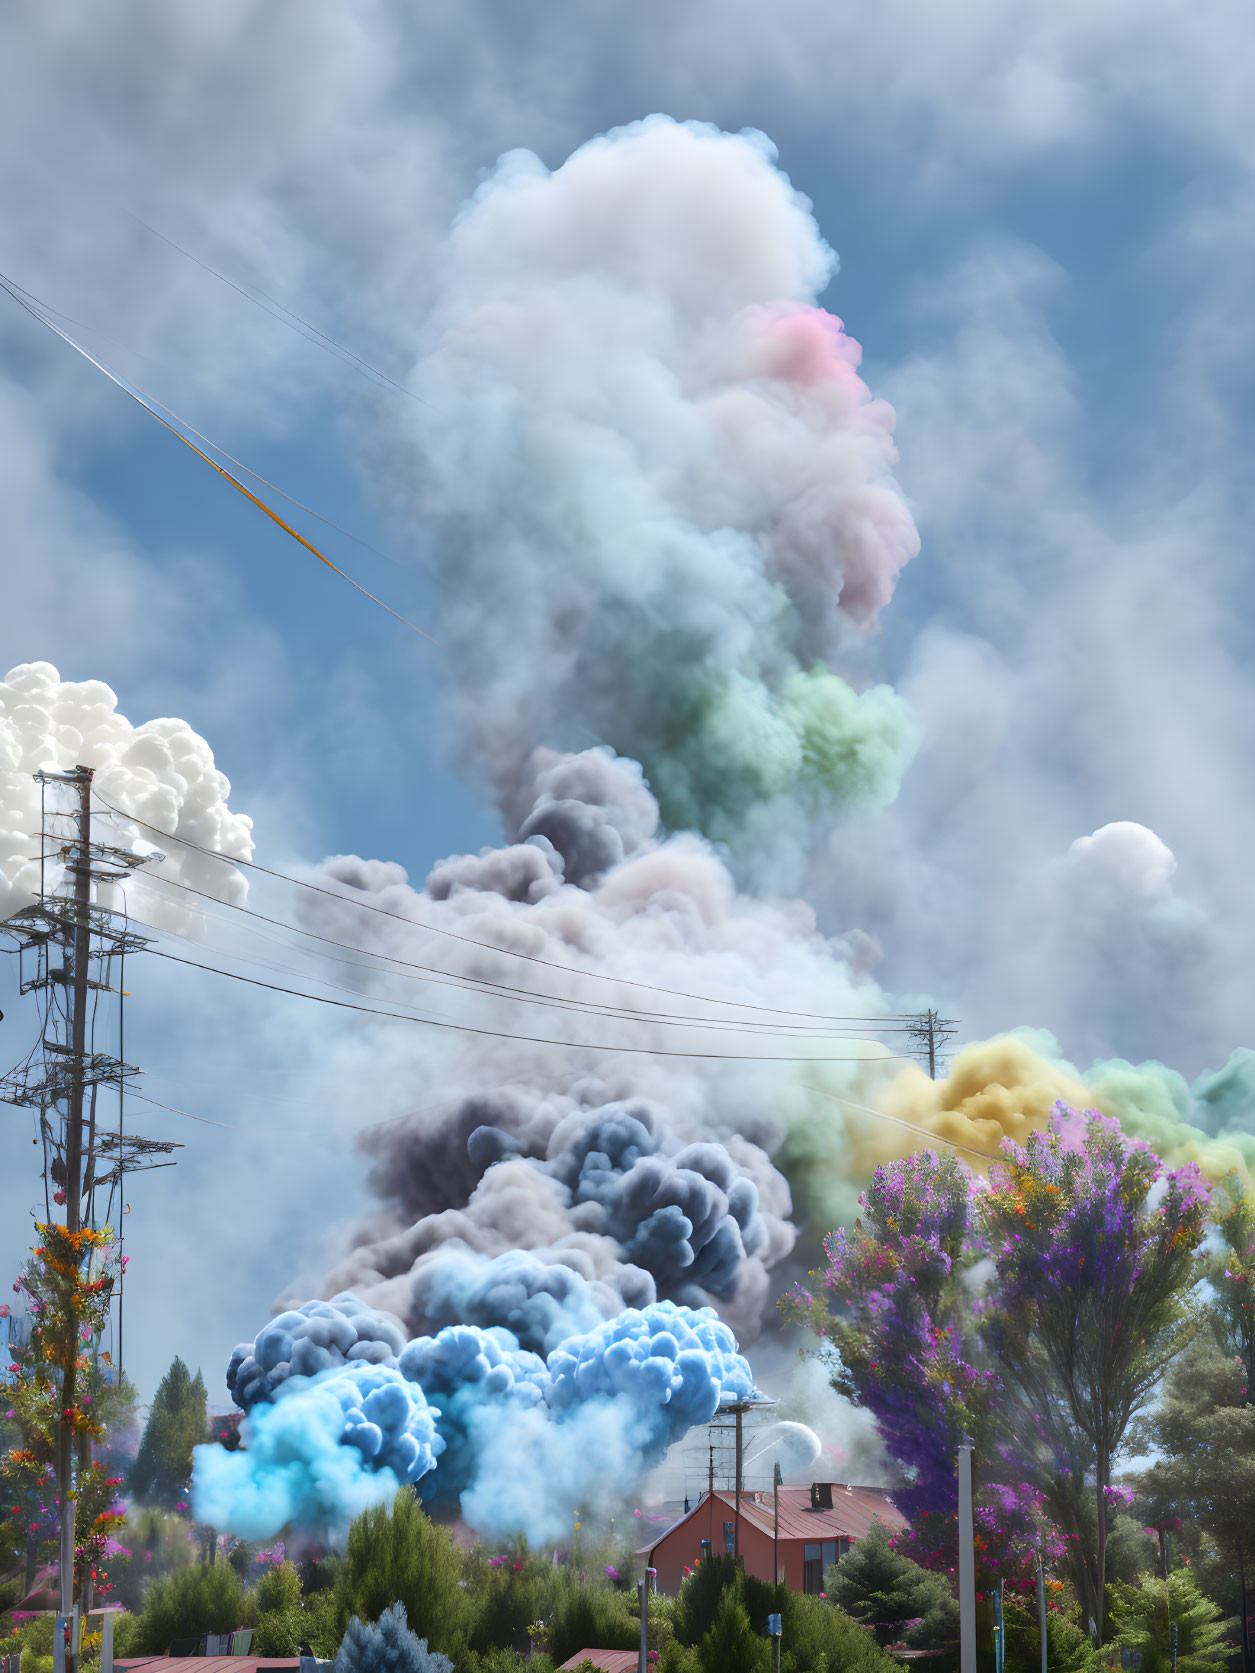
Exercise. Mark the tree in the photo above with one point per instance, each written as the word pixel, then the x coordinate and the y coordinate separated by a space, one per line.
pixel 892 1596
pixel 1095 1246
pixel 387 1646
pixel 176 1423
pixel 1204 1431
pixel 1143 1617
pixel 191 1602
pixel 280 1620
pixel 1231 1274
pixel 904 1338
pixel 64 1400
pixel 732 1645
pixel 1038 1314
pixel 394 1553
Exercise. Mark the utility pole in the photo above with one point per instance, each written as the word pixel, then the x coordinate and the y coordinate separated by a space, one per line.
pixel 929 1031
pixel 73 942
pixel 967 1561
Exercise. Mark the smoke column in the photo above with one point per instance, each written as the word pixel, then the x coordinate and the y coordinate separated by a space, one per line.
pixel 666 525
pixel 664 495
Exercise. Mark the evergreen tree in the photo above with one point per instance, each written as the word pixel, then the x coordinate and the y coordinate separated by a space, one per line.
pixel 176 1423
pixel 395 1554
pixel 1204 1431
pixel 1143 1616
pixel 387 1646
pixel 892 1596
pixel 732 1645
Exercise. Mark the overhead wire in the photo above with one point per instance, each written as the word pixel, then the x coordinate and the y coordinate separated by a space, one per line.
pixel 414 971
pixel 901 1121
pixel 176 426
pixel 482 946
pixel 504 1034
pixel 292 320
pixel 215 447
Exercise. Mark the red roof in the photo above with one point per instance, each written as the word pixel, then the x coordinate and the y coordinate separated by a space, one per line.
pixel 609 1661
pixel 854 1509
pixel 206 1664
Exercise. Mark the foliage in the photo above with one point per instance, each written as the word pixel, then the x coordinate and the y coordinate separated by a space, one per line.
pixel 176 1423
pixel 280 1618
pixel 1231 1272
pixel 387 1646
pixel 64 1399
pixel 731 1644
pixel 191 1602
pixel 1095 1247
pixel 819 1638
pixel 1204 1433
pixel 902 1309
pixel 160 1543
pixel 593 1616
pixel 896 1599
pixel 1068 1646
pixel 396 1554
pixel 1142 1617
pixel 1037 1314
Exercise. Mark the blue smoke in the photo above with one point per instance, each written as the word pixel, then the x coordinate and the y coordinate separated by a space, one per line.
pixel 328 1447
pixel 313 1338
pixel 524 1443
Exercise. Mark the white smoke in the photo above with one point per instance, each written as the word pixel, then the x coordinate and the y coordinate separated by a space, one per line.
pixel 162 772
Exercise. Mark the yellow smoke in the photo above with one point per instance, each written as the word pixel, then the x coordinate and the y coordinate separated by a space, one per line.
pixel 1005 1088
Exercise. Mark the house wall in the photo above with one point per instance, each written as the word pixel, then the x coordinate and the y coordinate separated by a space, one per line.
pixel 682 1547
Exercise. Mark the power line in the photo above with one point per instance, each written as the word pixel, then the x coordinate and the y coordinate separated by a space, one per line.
pixel 900 1121
pixel 323 339
pixel 499 990
pixel 484 946
pixel 176 427
pixel 502 1034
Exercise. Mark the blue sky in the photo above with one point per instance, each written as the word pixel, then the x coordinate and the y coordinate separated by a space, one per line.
pixel 1043 220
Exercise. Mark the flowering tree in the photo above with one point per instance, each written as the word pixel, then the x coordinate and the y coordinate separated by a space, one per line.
pixel 63 1398
pixel 1095 1246
pixel 903 1327
pixel 1037 1313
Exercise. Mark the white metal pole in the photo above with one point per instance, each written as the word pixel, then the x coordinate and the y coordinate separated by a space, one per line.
pixel 967 1561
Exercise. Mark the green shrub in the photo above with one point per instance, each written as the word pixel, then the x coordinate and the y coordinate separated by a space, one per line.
pixel 1142 1617
pixel 280 1620
pixel 886 1591
pixel 395 1554
pixel 700 1597
pixel 593 1617
pixel 192 1602
pixel 820 1638
pixel 732 1645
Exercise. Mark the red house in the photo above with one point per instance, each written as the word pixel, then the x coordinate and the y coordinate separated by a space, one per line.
pixel 818 1524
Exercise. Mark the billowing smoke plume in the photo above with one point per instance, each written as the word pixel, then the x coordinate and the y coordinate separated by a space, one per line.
pixel 545 1187
pixel 653 453
pixel 161 771
pixel 331 1447
pixel 521 1442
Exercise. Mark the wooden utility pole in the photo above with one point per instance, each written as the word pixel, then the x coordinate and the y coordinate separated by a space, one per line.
pixel 930 1032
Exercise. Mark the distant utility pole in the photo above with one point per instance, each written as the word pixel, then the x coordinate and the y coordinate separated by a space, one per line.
pixel 72 949
pixel 929 1032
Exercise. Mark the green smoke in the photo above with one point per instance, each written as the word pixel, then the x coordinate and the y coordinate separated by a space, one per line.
pixel 728 745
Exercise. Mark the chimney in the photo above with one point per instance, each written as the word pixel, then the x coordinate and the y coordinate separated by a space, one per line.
pixel 821 1495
